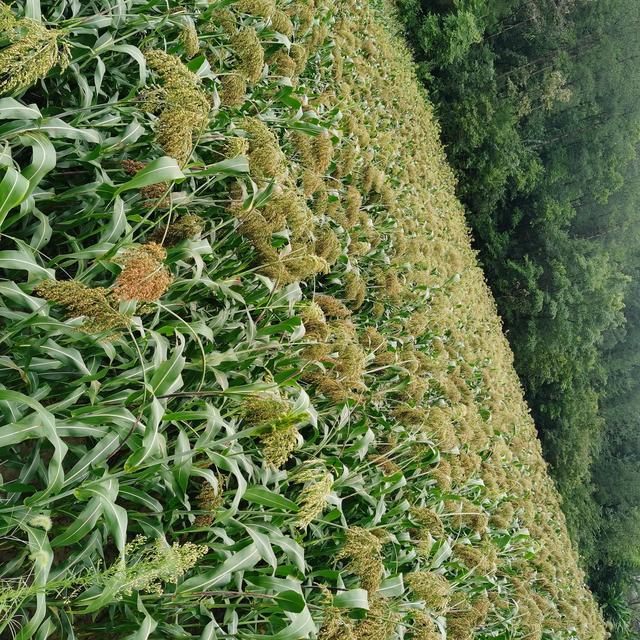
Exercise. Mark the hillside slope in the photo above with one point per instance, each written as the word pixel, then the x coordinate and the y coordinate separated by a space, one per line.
pixel 253 381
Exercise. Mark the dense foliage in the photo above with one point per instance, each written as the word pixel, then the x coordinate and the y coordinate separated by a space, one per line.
pixel 540 110
pixel 253 383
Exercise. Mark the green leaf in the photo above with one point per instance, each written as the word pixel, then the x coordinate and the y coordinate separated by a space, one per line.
pixel 231 167
pixel 40 424
pixel 148 625
pixel 116 519
pixel 140 497
pixel 11 109
pixel 57 128
pixel 23 260
pixel 263 545
pixel 163 169
pixel 293 550
pixel 263 196
pixel 131 134
pixel 301 626
pixel 32 10
pixel 167 377
pixel 269 583
pixel 100 453
pixel 290 601
pixel 263 496
pixel 66 355
pixel 280 327
pixel 392 587
pixel 209 632
pixel 42 557
pixel 441 551
pixel 182 465
pixel 352 599
pixel 244 559
pixel 13 190
pixel 138 56
pixel 82 525
pixel 43 159
pixel 248 389
pixel 152 441
pixel 43 231
pixel 117 226
pixel 19 432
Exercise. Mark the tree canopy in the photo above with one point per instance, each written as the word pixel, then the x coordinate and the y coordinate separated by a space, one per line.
pixel 540 113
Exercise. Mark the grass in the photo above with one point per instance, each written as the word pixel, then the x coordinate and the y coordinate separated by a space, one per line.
pixel 269 394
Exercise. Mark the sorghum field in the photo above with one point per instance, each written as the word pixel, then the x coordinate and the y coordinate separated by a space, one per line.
pixel 252 380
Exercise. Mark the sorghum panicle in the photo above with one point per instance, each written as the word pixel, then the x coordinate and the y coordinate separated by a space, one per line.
pixel 95 304
pixel 34 51
pixel 189 39
pixel 233 90
pixel 265 157
pixel 184 106
pixel 431 587
pixel 184 228
pixel 364 551
pixel 144 276
pixel 380 623
pixel 246 45
pixel 313 497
